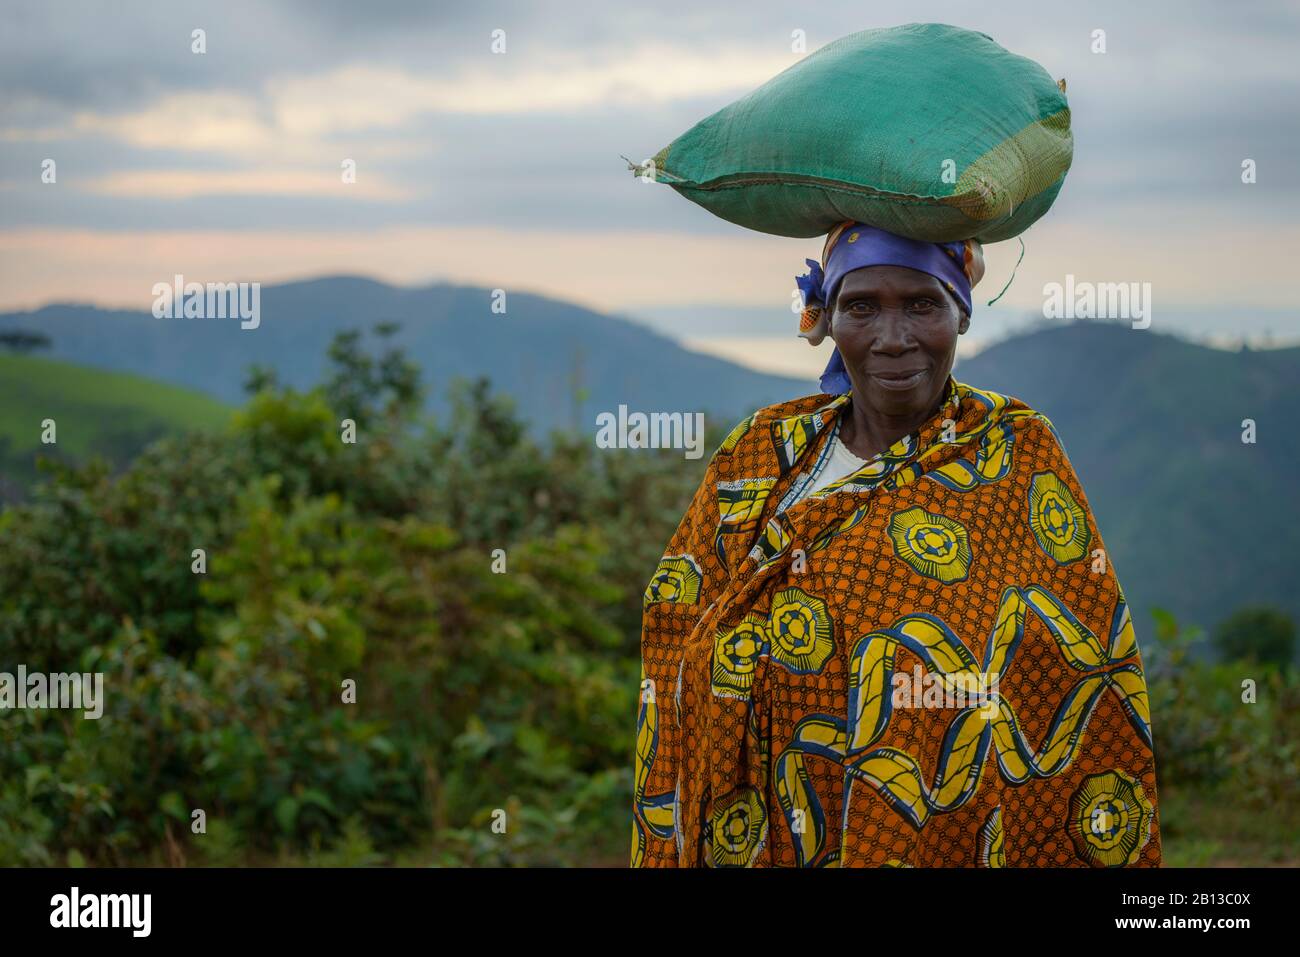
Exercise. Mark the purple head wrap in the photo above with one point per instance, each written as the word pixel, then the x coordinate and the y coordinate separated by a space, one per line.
pixel 850 246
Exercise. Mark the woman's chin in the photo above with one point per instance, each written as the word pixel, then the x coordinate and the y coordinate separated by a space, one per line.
pixel 898 396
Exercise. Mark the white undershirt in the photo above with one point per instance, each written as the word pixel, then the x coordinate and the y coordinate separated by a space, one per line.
pixel 838 463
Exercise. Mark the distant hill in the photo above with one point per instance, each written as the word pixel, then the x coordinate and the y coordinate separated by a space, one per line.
pixel 1195 520
pixel 562 363
pixel 95 413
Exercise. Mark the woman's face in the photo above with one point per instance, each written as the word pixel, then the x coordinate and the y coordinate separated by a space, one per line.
pixel 897 329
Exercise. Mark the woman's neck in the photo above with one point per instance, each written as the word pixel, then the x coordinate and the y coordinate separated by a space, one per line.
pixel 866 432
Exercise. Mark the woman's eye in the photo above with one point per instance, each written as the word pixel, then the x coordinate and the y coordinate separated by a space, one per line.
pixel 923 305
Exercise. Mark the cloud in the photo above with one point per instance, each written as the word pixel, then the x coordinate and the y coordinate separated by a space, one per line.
pixel 208 122
pixel 608 269
pixel 298 114
pixel 183 183
pixel 623 271
pixel 366 97
pixel 289 140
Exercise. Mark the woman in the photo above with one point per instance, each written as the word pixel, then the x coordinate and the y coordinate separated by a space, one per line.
pixel 887 632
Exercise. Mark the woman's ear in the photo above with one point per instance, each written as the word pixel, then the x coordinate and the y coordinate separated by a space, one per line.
pixel 963 325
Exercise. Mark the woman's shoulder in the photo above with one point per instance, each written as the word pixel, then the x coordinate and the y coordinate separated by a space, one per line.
pixel 759 421
pixel 792 408
pixel 1023 417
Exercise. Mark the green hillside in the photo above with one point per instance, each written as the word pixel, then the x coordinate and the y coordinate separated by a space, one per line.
pixel 109 414
pixel 1195 519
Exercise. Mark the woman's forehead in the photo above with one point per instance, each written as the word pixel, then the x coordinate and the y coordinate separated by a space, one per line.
pixel 869 278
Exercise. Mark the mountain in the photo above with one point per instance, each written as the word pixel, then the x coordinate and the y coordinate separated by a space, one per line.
pixel 562 363
pixel 1195 520
pixel 94 412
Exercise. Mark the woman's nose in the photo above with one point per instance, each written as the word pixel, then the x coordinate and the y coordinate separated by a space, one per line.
pixel 893 333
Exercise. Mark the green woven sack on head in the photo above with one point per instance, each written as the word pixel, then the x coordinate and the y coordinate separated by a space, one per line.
pixel 925 130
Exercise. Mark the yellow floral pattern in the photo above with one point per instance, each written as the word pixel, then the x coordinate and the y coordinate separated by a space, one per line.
pixel 801 633
pixel 1058 521
pixel 677 579
pixel 935 546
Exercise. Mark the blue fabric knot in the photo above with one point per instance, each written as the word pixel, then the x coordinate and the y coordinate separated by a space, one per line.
pixel 810 285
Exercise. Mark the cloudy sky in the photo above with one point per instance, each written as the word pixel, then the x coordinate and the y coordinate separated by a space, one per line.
pixel 504 169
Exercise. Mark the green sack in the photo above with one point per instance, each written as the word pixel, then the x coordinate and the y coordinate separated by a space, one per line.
pixel 925 130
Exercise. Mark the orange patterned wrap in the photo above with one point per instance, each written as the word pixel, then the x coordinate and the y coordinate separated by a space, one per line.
pixel 929 663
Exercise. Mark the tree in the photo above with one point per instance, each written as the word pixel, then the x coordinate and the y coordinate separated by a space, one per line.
pixel 21 341
pixel 364 387
pixel 1256 634
pixel 260 378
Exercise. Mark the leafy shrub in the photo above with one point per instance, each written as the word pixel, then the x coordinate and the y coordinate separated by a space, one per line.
pixel 476 692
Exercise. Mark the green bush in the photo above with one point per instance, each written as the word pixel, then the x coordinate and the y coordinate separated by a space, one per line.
pixel 1227 758
pixel 1256 634
pixel 476 693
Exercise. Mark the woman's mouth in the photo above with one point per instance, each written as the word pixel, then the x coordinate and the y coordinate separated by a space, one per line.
pixel 898 381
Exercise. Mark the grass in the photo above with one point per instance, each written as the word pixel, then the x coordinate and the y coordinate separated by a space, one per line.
pixel 94 411
pixel 1199 828
pixel 1211 828
pixel 111 415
